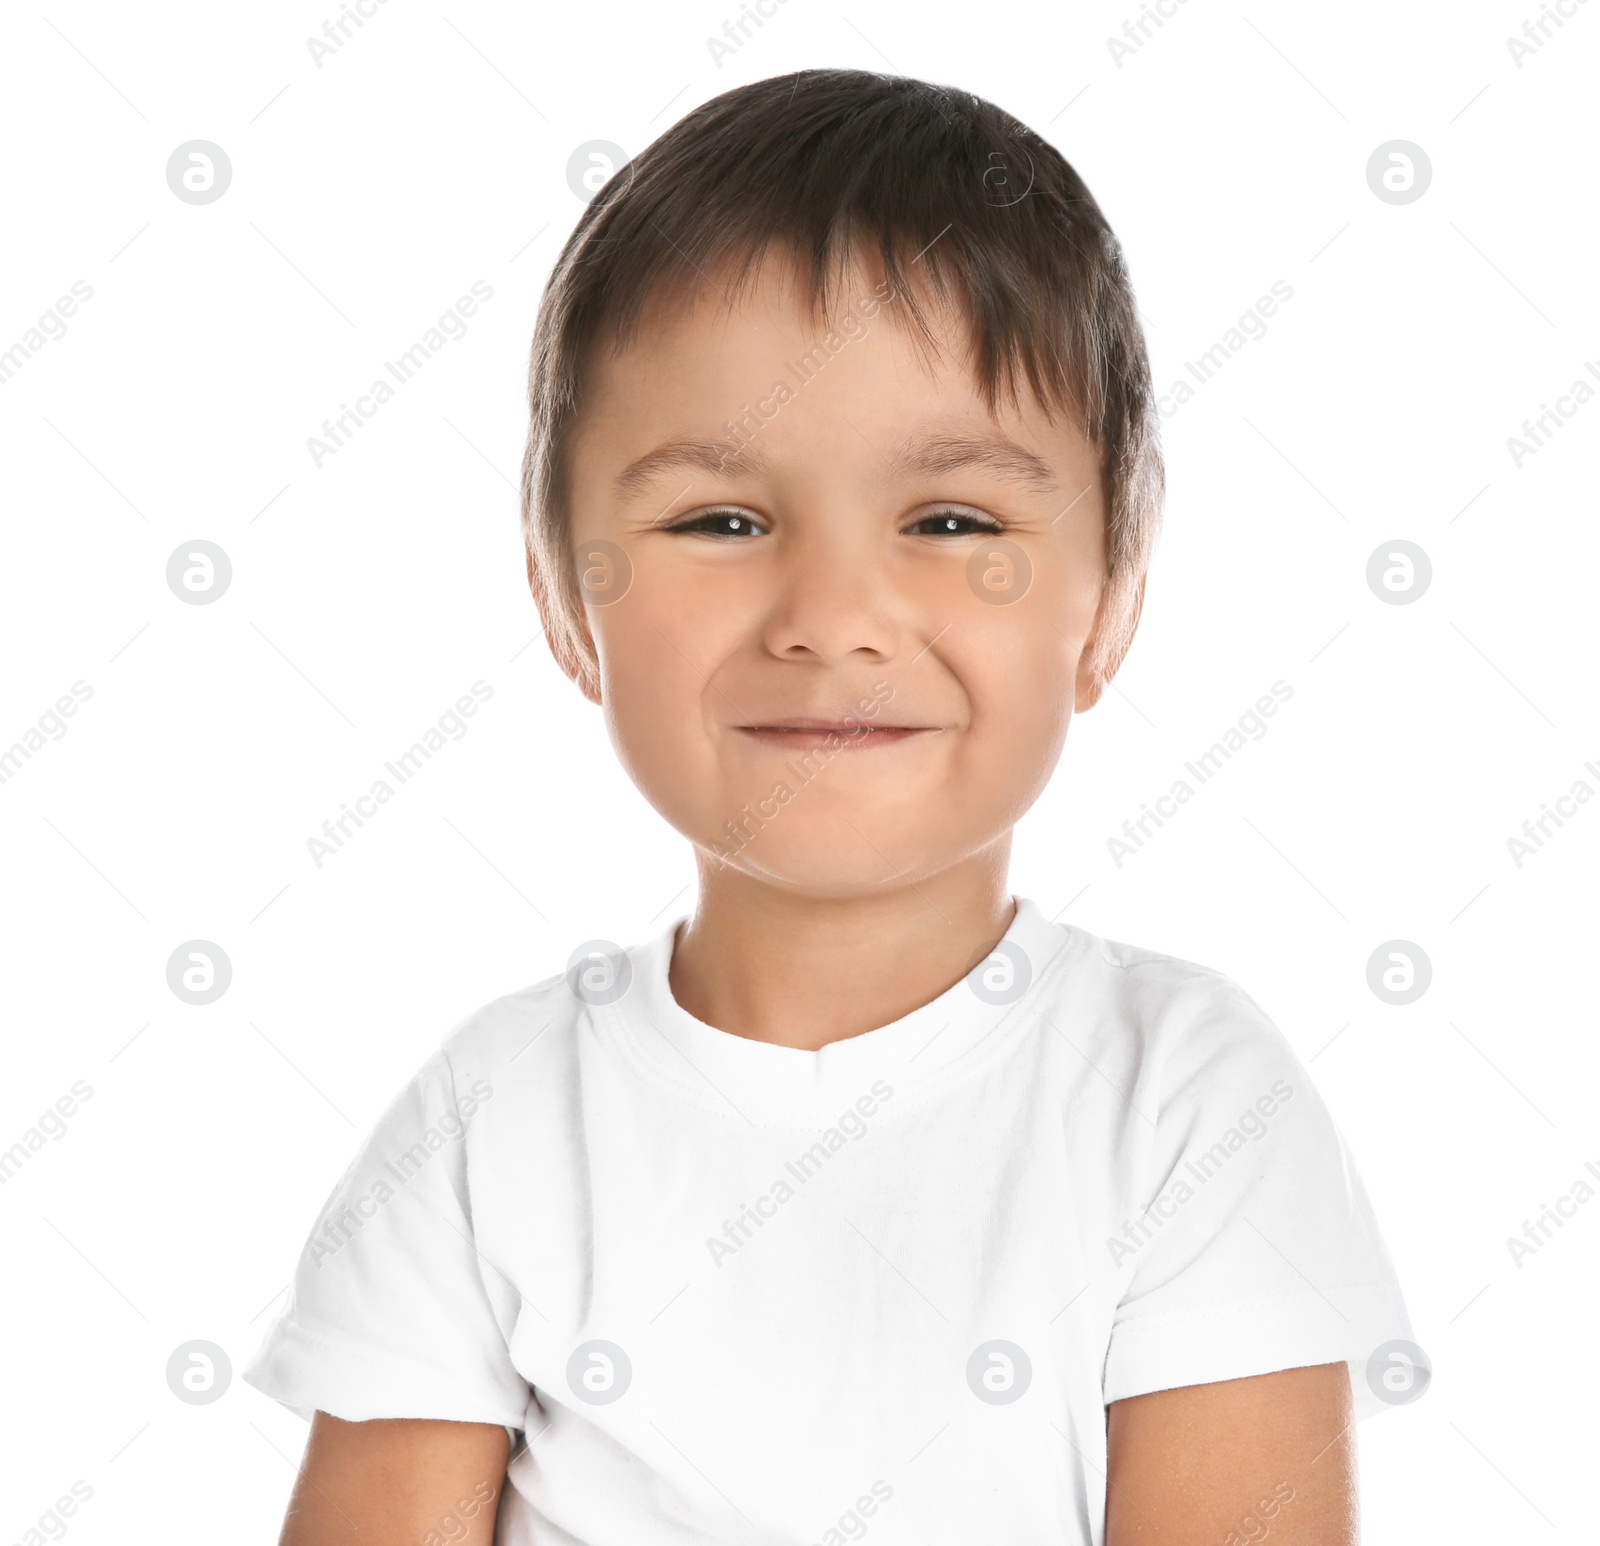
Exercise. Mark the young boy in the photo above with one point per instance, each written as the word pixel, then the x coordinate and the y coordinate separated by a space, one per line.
pixel 865 1199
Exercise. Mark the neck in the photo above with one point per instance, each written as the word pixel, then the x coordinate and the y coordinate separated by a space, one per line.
pixel 801 969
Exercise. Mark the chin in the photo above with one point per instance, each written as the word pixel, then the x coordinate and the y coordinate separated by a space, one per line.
pixel 836 862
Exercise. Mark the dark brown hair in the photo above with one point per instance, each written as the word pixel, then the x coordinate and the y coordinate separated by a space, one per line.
pixel 829 163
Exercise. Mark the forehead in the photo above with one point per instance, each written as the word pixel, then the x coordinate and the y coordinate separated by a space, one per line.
pixel 714 351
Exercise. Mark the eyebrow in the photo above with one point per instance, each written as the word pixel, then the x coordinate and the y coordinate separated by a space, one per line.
pixel 688 455
pixel 928 455
pixel 992 453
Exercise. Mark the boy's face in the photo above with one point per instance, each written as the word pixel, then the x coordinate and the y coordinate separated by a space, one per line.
pixel 817 573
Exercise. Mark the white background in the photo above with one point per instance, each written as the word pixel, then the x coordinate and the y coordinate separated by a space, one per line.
pixel 368 594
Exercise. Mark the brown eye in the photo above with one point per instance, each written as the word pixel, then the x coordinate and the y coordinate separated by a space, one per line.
pixel 954 523
pixel 719 523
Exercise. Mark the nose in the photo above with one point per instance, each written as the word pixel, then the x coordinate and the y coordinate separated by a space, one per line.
pixel 834 597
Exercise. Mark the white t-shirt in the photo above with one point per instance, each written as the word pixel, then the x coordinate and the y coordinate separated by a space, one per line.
pixel 721 1290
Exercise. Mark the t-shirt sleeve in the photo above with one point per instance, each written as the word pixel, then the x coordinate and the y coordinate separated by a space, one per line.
pixel 393 1311
pixel 1252 1246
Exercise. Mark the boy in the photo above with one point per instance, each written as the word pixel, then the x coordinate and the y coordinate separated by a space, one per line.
pixel 866 1199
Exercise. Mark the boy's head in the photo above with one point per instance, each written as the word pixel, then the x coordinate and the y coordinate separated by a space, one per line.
pixel 841 410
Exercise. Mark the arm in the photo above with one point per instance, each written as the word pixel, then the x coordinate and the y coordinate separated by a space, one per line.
pixel 1240 1461
pixel 397 1480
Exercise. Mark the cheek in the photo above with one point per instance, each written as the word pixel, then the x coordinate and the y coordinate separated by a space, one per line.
pixel 652 732
pixel 1024 655
pixel 658 664
pixel 1020 680
pixel 1023 698
pixel 647 691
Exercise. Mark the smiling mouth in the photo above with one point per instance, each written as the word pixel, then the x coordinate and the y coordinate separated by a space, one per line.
pixel 841 734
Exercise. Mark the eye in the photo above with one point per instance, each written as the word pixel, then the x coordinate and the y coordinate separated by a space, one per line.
pixel 733 523
pixel 953 522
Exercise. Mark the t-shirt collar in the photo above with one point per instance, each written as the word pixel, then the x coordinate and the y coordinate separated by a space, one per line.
pixel 768 1083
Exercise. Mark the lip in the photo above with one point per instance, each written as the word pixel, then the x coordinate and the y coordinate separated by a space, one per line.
pixel 841 726
pixel 805 730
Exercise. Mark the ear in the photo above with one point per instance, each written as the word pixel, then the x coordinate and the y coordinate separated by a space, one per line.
pixel 580 662
pixel 585 669
pixel 1091 684
pixel 587 677
pixel 580 665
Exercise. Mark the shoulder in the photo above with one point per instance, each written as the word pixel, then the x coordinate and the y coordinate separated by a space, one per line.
pixel 517 1034
pixel 1174 1020
pixel 1138 974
